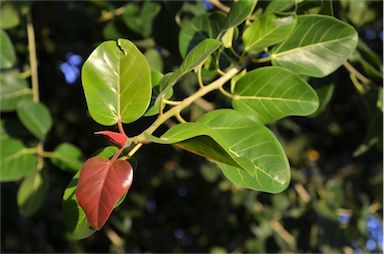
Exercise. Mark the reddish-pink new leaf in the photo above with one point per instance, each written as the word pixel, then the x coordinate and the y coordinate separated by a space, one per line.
pixel 116 138
pixel 101 184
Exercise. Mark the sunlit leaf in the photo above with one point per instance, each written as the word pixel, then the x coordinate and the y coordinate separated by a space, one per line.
pixel 267 30
pixel 9 17
pixel 246 151
pixel 16 161
pixel 317 47
pixel 117 82
pixel 101 184
pixel 35 117
pixel 270 93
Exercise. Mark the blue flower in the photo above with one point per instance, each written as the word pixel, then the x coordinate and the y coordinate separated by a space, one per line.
pixel 207 5
pixel 71 68
pixel 344 218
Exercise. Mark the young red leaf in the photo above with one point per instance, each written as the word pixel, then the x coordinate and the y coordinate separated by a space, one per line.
pixel 101 184
pixel 116 138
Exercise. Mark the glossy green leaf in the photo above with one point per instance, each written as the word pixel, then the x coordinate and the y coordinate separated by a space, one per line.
pixel 317 47
pixel 208 25
pixel 35 116
pixel 270 93
pixel 74 217
pixel 16 161
pixel 117 82
pixel 324 93
pixel 239 12
pixel 67 157
pixel 194 58
pixel 13 90
pixel 31 193
pixel 267 30
pixel 7 51
pixel 247 152
pixel 154 107
pixel 106 152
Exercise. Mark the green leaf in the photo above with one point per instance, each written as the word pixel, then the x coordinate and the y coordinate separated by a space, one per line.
pixel 246 151
pixel 7 51
pixel 31 193
pixel 117 82
pixel 154 59
pixel 279 5
pixel 208 25
pixel 13 90
pixel 9 17
pixel 194 58
pixel 106 152
pixel 324 93
pixel 154 107
pixel 16 161
pixel 318 46
pixel 67 157
pixel 239 12
pixel 270 93
pixel 35 116
pixel 267 30
pixel 74 217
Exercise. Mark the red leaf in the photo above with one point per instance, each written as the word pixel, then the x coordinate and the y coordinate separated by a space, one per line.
pixel 116 138
pixel 101 184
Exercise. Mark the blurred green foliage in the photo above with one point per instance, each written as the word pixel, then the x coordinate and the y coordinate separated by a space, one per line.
pixel 180 202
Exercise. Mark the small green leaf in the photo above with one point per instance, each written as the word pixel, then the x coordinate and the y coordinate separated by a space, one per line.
pixel 239 12
pixel 270 93
pixel 67 157
pixel 317 47
pixel 13 90
pixel 74 217
pixel 35 117
pixel 31 193
pixel 208 25
pixel 117 82
pixel 246 151
pixel 16 161
pixel 7 51
pixel 9 17
pixel 194 58
pixel 279 6
pixel 154 59
pixel 106 152
pixel 267 30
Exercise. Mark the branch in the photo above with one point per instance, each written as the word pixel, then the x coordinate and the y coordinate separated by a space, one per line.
pixel 33 58
pixel 356 73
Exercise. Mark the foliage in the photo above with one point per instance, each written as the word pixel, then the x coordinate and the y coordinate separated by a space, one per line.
pixel 227 55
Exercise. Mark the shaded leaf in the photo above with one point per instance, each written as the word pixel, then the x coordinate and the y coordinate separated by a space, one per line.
pixel 267 30
pixel 74 216
pixel 117 82
pixel 101 184
pixel 324 93
pixel 279 6
pixel 318 46
pixel 16 161
pixel 154 59
pixel 31 193
pixel 7 51
pixel 13 90
pixel 197 56
pixel 67 157
pixel 239 12
pixel 270 93
pixel 9 17
pixel 35 117
pixel 246 151
pixel 208 25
